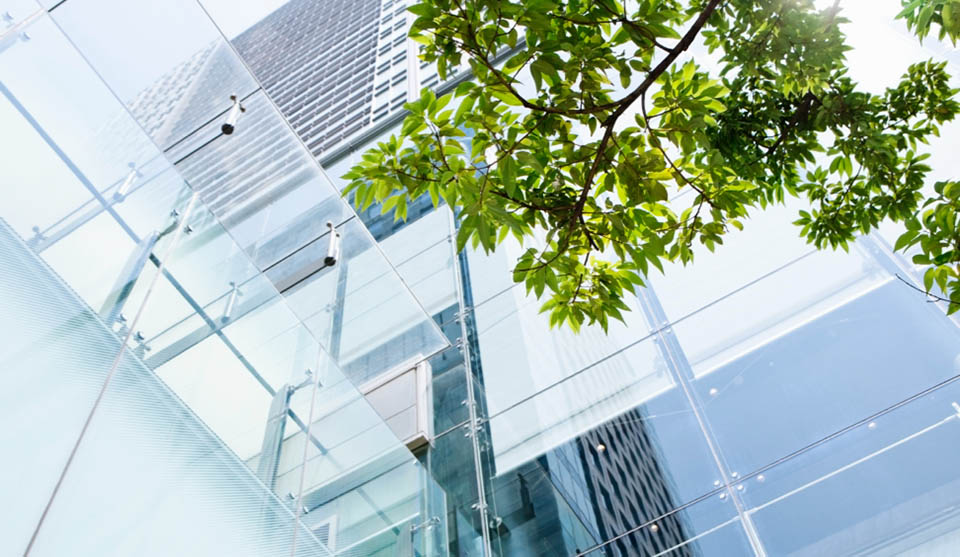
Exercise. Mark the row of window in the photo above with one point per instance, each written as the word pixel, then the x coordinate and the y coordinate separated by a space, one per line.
pixel 400 8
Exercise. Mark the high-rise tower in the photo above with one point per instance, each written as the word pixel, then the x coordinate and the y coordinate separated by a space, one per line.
pixel 334 67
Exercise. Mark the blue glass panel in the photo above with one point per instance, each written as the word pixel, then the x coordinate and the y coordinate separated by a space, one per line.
pixel 886 485
pixel 865 333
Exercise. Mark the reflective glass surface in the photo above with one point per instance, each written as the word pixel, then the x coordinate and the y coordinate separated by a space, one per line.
pixel 521 355
pixel 767 400
pixel 258 180
pixel 172 87
pixel 887 485
pixel 186 387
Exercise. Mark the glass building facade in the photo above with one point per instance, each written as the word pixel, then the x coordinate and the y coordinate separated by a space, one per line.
pixel 185 371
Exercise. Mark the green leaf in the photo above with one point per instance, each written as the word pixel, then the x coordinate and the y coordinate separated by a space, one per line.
pixel 610 183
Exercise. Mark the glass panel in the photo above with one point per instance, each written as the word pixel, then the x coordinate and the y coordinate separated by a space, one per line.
pixel 642 419
pixel 14 12
pixel 61 168
pixel 887 486
pixel 492 274
pixel 417 237
pixel 100 139
pixel 204 503
pixel 727 539
pixel 430 276
pixel 449 390
pixel 55 165
pixel 564 506
pixel 683 289
pixel 172 87
pixel 520 354
pixel 55 355
pixel 100 240
pixel 423 255
pixel 356 477
pixel 42 174
pixel 532 515
pixel 378 325
pixel 432 537
pixel 271 195
pixel 260 182
pixel 252 353
pixel 213 383
pixel 208 262
pixel 273 342
pixel 168 475
pixel 182 447
pixel 761 312
pixel 451 464
pixel 314 57
pixel 762 358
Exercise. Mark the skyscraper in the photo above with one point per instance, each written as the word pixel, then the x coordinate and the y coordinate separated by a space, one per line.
pixel 629 487
pixel 333 67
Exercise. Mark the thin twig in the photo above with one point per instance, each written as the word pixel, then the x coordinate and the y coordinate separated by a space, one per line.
pixel 934 296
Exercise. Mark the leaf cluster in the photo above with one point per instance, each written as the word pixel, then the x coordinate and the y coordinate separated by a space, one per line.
pixel 605 148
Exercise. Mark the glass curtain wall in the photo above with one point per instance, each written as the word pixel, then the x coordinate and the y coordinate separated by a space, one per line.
pixel 160 395
pixel 768 400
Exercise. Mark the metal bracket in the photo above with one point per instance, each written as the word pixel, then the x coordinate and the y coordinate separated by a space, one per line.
pixel 427 524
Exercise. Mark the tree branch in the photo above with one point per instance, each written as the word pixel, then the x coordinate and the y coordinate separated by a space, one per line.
pixel 668 60
pixel 934 296
pixel 651 78
pixel 802 112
